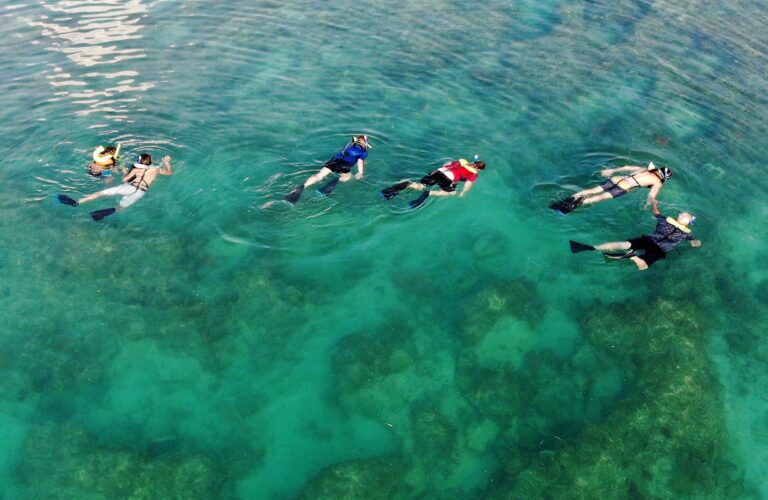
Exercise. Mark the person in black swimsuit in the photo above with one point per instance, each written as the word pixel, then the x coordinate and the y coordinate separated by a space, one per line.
pixel 639 177
pixel 668 234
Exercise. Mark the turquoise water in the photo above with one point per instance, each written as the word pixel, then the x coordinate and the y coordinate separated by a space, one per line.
pixel 198 345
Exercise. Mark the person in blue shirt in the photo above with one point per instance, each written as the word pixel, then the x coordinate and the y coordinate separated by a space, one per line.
pixel 668 234
pixel 342 163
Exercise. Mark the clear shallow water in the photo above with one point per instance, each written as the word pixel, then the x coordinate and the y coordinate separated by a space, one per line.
pixel 201 345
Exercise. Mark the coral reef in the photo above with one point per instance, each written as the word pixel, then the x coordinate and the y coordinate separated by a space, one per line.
pixel 379 478
pixel 62 461
pixel 365 358
pixel 381 372
pixel 515 297
pixel 667 439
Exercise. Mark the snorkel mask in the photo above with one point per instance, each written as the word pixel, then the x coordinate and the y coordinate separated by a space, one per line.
pixel 666 173
pixel 478 163
pixel 363 141
pixel 693 220
pixel 140 162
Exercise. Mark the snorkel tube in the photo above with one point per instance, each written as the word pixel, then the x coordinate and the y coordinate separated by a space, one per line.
pixel 362 140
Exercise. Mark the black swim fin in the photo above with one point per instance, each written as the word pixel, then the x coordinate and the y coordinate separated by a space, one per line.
pixel 294 195
pixel 577 247
pixel 104 212
pixel 394 190
pixel 566 205
pixel 620 256
pixel 66 200
pixel 328 187
pixel 415 203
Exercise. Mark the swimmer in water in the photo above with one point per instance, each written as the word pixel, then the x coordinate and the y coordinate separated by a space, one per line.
pixel 135 184
pixel 668 234
pixel 354 153
pixel 639 177
pixel 104 160
pixel 446 178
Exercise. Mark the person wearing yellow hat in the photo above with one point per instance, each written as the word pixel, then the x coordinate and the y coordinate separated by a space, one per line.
pixel 134 186
pixel 354 153
pixel 103 161
pixel 446 178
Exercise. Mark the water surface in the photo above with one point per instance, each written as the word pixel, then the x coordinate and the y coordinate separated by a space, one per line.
pixel 202 346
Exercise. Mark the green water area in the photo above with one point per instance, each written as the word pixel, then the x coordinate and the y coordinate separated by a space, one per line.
pixel 214 341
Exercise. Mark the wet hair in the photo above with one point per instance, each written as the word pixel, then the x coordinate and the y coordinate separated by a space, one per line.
pixel 109 150
pixel 480 165
pixel 145 159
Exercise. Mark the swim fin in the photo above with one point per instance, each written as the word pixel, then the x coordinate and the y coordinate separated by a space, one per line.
pixel 66 200
pixel 577 247
pixel 415 203
pixel 394 190
pixel 620 256
pixel 566 205
pixel 294 195
pixel 104 212
pixel 328 188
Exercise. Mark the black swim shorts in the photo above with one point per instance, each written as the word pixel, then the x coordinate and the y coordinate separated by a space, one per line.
pixel 612 188
pixel 439 178
pixel 651 250
pixel 339 166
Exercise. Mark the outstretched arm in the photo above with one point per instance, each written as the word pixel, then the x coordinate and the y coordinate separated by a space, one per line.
pixel 652 198
pixel 360 169
pixel 166 168
pixel 655 209
pixel 467 187
pixel 440 192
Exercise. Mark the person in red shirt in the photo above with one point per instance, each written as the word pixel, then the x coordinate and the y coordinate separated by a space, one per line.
pixel 445 177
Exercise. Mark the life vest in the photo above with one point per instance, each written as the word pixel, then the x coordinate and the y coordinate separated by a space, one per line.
pixel 673 222
pixel 101 159
pixel 459 171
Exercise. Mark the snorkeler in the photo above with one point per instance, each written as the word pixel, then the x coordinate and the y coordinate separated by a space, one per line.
pixel 103 161
pixel 651 177
pixel 445 177
pixel 668 234
pixel 135 184
pixel 342 163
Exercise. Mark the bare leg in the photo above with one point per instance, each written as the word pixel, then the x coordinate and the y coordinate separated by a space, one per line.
pixel 613 246
pixel 416 185
pixel 322 174
pixel 640 263
pixel 91 197
pixel 598 198
pixel 345 177
pixel 588 192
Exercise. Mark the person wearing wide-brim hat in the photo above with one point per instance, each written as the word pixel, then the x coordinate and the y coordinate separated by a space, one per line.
pixel 669 233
